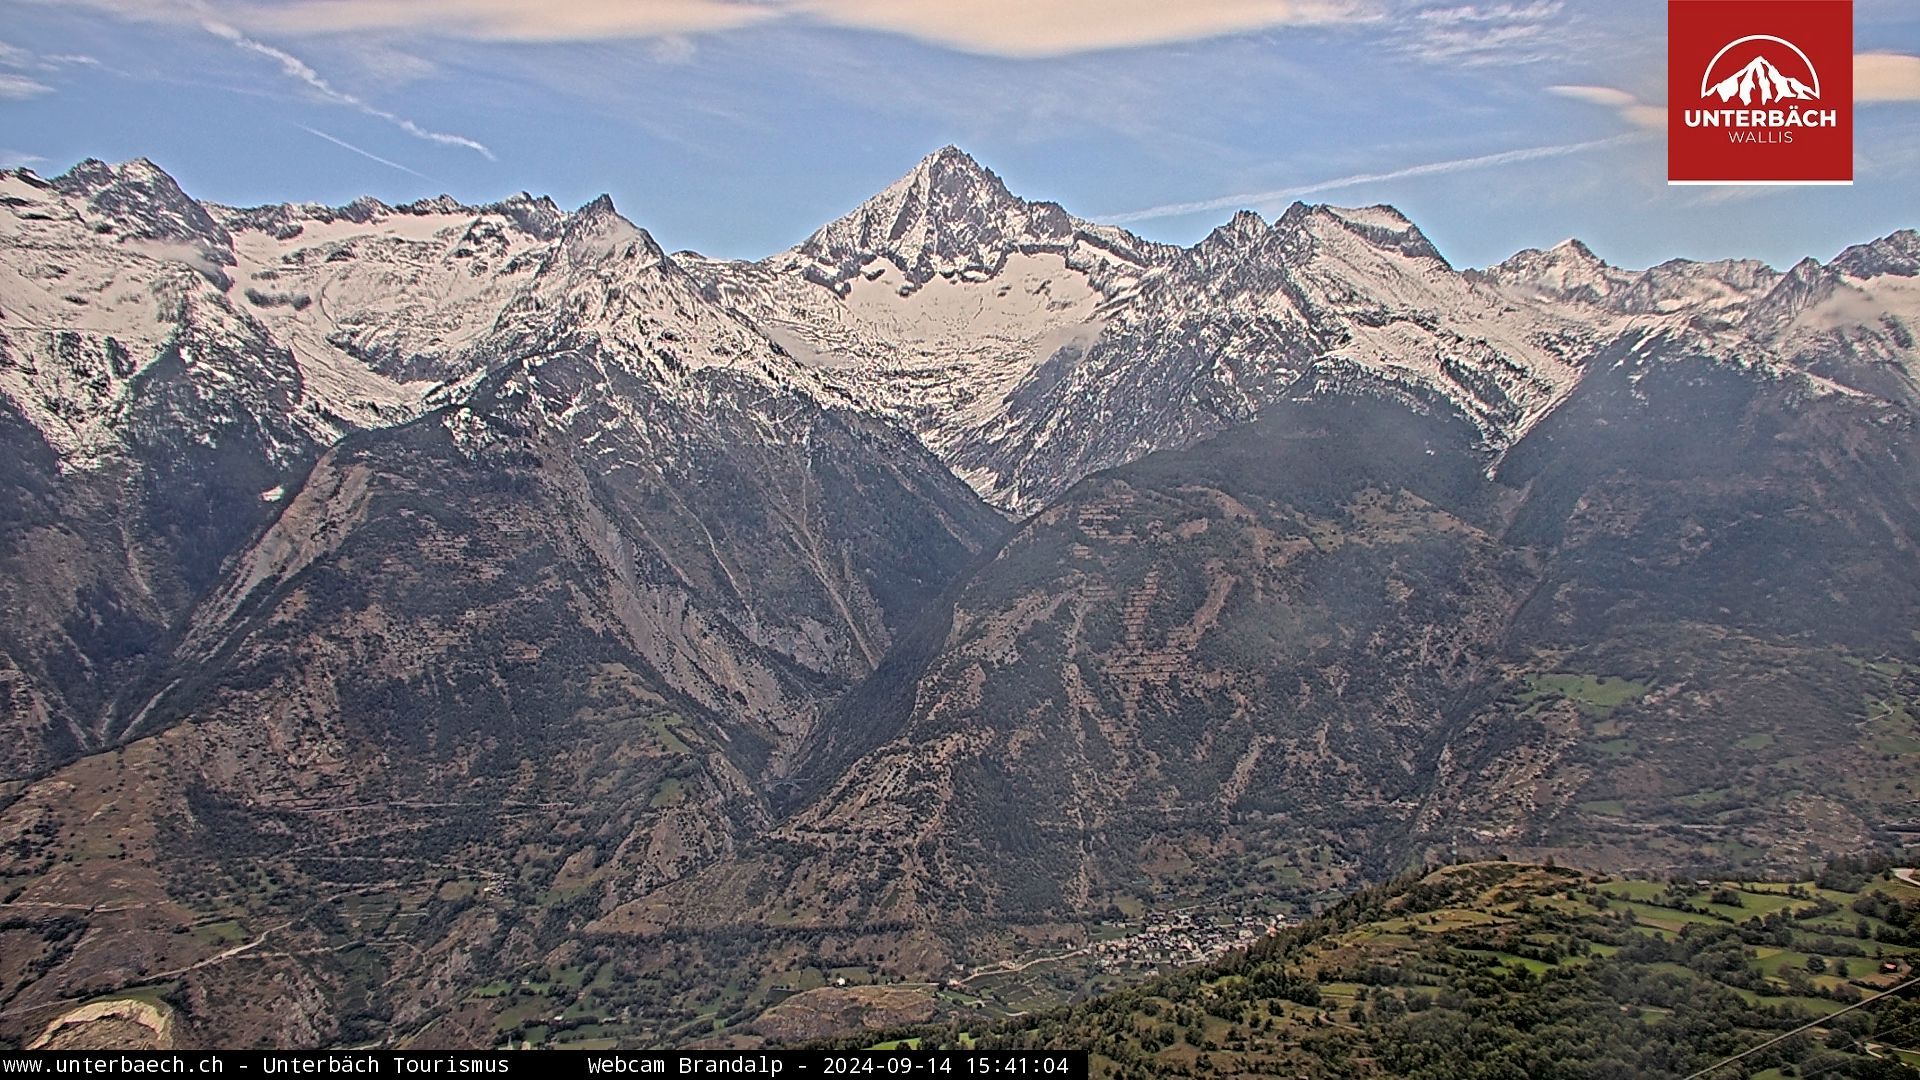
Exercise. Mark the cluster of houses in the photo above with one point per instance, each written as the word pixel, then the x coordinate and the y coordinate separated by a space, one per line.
pixel 1176 938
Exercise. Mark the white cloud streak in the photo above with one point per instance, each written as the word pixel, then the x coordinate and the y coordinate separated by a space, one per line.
pixel 1012 28
pixel 17 86
pixel 1884 76
pixel 20 87
pixel 1476 35
pixel 295 68
pixel 368 154
pixel 508 20
pixel 1456 34
pixel 1631 109
pixel 1877 77
pixel 14 56
pixel 1048 28
pixel 1431 168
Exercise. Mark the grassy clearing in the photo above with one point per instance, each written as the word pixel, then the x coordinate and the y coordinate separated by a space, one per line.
pixel 220 934
pixel 1667 918
pixel 1761 901
pixel 1634 890
pixel 1596 695
pixel 663 726
pixel 1537 967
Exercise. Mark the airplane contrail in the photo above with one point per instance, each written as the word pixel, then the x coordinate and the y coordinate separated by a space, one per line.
pixel 368 154
pixel 1431 168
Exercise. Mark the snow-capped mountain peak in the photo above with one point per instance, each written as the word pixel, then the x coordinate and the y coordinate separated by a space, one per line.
pixel 1378 225
pixel 955 172
pixel 1568 270
pixel 1244 228
pixel 344 318
pixel 1897 253
pixel 1855 320
pixel 597 232
pixel 1023 346
pixel 138 202
pixel 949 216
pixel 1570 274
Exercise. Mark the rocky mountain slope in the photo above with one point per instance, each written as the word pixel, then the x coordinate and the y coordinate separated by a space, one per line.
pixel 1333 629
pixel 617 539
pixel 449 618
pixel 171 372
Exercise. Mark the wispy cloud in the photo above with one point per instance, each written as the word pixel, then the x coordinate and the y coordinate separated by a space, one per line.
pixel 1877 76
pixel 509 20
pixel 16 85
pixel 1431 168
pixel 1631 109
pixel 1885 76
pixel 1015 28
pixel 295 68
pixel 1472 35
pixel 671 49
pixel 13 56
pixel 1459 34
pixel 19 87
pixel 1724 196
pixel 1027 28
pixel 388 66
pixel 368 154
pixel 14 159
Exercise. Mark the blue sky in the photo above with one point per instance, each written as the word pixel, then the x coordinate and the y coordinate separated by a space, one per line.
pixel 735 127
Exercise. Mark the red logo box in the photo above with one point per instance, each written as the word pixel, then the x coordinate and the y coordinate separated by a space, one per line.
pixel 1760 91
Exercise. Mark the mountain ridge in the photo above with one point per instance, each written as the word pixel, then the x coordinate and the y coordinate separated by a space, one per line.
pixel 465 597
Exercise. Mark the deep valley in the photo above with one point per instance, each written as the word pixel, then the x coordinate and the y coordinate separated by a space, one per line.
pixel 469 626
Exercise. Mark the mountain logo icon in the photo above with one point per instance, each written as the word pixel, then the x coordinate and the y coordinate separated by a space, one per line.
pixel 1759 81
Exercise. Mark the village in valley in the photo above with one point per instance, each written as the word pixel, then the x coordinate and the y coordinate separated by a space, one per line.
pixel 1170 939
pixel 1118 953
